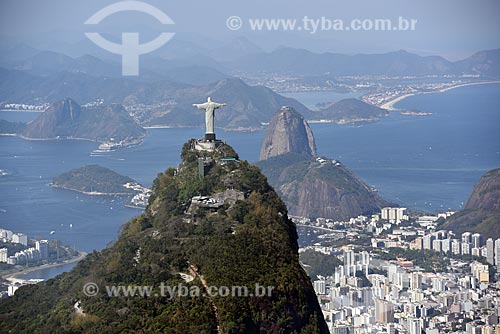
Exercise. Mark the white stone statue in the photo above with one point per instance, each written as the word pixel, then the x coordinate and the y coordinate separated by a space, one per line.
pixel 209 108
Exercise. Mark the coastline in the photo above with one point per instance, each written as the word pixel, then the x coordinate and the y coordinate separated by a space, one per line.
pixel 91 193
pixel 13 277
pixel 344 121
pixel 16 110
pixel 137 142
pixel 468 84
pixel 389 105
pixel 238 129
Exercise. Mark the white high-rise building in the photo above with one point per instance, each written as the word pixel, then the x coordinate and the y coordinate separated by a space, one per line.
pixel 476 240
pixel 350 262
pixel 415 326
pixel 436 245
pixel 43 247
pixel 437 284
pixel 384 312
pixel 446 245
pixel 3 255
pixel 428 240
pixel 497 254
pixel 416 281
pixel 466 249
pixel 490 251
pixel 320 287
pixel 466 237
pixel 19 238
pixel 394 214
pixel 456 247
pixel 5 234
pixel 364 258
pixel 475 251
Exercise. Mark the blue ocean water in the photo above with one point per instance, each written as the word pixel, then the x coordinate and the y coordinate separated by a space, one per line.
pixel 426 163
pixel 310 99
pixel 28 204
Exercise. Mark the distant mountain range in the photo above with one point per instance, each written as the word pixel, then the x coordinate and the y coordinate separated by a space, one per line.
pixel 248 107
pixel 399 63
pixel 239 56
pixel 168 103
pixel 168 85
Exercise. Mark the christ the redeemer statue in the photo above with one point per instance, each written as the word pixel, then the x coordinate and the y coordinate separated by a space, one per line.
pixel 209 108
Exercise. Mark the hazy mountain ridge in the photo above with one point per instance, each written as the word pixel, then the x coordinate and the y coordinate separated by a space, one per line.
pixel 398 63
pixel 167 103
pixel 239 55
pixel 247 106
pixel 166 89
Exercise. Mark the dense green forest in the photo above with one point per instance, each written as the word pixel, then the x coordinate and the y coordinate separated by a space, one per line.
pixel 248 242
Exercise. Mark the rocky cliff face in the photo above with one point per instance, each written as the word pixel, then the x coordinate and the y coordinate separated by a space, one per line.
pixel 486 193
pixel 288 132
pixel 320 187
pixel 233 245
pixel 66 119
pixel 327 189
pixel 311 187
pixel 482 211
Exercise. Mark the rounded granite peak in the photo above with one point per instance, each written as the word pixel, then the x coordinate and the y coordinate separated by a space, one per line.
pixel 288 132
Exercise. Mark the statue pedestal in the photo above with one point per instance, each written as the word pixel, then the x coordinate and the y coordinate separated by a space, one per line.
pixel 210 137
pixel 207 145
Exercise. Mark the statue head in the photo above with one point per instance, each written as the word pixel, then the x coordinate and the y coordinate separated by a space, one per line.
pixel 209 99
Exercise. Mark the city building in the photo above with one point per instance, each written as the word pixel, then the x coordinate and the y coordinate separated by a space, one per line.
pixel 476 240
pixel 394 215
pixel 43 247
pixel 3 255
pixel 320 287
pixel 490 251
pixel 384 311
pixel 19 238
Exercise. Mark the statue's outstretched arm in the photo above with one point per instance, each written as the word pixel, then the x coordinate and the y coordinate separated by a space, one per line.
pixel 200 106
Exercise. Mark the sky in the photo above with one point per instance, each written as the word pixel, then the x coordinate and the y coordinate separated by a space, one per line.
pixel 451 28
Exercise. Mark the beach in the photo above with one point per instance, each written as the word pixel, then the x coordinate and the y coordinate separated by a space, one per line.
pixel 389 105
pixel 13 276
